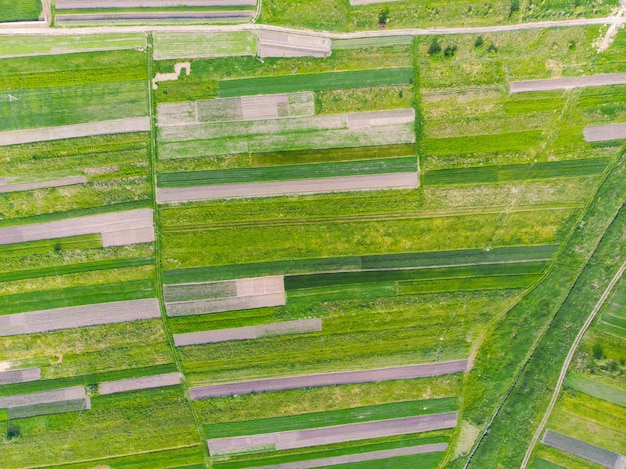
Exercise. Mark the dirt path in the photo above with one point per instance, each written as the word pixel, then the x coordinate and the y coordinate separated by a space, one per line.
pixel 567 362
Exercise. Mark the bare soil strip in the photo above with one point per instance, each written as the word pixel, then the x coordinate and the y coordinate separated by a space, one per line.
pixel 275 188
pixel 45 134
pixel 604 133
pixel 188 308
pixel 20 376
pixel 78 316
pixel 302 326
pixel 127 237
pixel 69 181
pixel 330 379
pixel 45 397
pixel 58 407
pixel 277 44
pixel 360 457
pixel 134 384
pixel 129 226
pixel 567 83
pixel 581 449
pixel 87 4
pixel 331 435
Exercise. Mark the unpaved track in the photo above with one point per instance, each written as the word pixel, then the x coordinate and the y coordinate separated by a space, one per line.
pixel 330 435
pixel 299 186
pixel 330 379
pixel 567 362
pixel 568 83
pixel 360 457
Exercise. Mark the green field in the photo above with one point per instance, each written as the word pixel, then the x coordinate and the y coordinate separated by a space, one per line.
pixel 24 10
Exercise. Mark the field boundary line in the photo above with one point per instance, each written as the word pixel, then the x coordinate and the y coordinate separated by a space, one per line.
pixel 568 360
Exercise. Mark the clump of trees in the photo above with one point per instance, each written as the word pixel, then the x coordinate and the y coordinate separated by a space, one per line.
pixel 383 17
pixel 13 432
pixel 435 49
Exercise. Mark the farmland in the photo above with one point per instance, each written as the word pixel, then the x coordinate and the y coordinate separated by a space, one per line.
pixel 247 247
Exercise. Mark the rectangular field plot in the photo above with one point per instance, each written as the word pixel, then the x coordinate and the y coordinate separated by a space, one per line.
pixel 603 133
pixel 117 229
pixel 302 326
pixel 581 449
pixel 134 384
pixel 331 379
pixel 47 402
pixel 277 44
pixel 78 316
pixel 69 181
pixel 203 44
pixel 20 376
pixel 54 45
pixel 87 4
pixel 568 83
pixel 328 435
pixel 595 388
pixel 156 17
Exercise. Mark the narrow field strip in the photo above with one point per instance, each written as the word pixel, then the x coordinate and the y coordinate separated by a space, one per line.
pixel 605 133
pixel 119 228
pixel 78 316
pixel 583 450
pixel 50 45
pixel 203 44
pixel 47 402
pixel 278 44
pixel 44 134
pixel 69 181
pixel 595 388
pixel 20 376
pixel 302 186
pixel 302 326
pixel 360 457
pixel 331 435
pixel 330 379
pixel 135 384
pixel 90 4
pixel 568 83
pixel 189 308
pixel 157 17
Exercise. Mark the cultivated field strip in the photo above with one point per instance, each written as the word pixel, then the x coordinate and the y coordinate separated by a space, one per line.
pixel 120 228
pixel 201 44
pixel 87 4
pixel 300 186
pixel 68 181
pixel 47 402
pixel 245 108
pixel 44 134
pixel 360 457
pixel 135 384
pixel 583 450
pixel 78 316
pixel 368 2
pixel 252 126
pixel 330 379
pixel 331 435
pixel 20 376
pixel 568 83
pixel 276 44
pixel 604 133
pixel 302 326
pixel 56 45
pixel 158 17
pixel 232 295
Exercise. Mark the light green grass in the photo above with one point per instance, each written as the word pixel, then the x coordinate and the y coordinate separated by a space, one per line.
pixel 18 46
pixel 212 44
pixel 587 385
pixel 23 10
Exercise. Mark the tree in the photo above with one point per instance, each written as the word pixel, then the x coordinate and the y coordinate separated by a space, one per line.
pixel 514 7
pixel 597 351
pixel 434 48
pixel 383 17
pixel 450 51
pixel 13 432
pixel 478 42
pixel 492 48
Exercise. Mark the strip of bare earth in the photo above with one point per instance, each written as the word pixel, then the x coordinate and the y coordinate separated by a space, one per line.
pixel 162 16
pixel 117 228
pixel 69 181
pixel 568 83
pixel 275 44
pixel 86 4
pixel 302 326
pixel 330 379
pixel 361 457
pixel 301 186
pixel 78 316
pixel 135 384
pixel 20 376
pixel 47 402
pixel 45 134
pixel 331 435
pixel 605 133
pixel 581 449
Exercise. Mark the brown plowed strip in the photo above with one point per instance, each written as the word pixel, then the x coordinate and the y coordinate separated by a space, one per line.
pixel 566 83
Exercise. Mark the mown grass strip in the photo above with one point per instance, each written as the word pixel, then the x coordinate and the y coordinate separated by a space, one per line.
pixel 517 172
pixel 33 248
pixel 513 141
pixel 76 268
pixel 342 293
pixel 247 461
pixel 332 154
pixel 332 418
pixel 289 172
pixel 77 296
pixel 315 82
pixel 467 284
pixel 595 388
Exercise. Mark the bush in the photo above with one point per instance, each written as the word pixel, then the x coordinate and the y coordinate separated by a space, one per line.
pixel 434 48
pixel 13 432
pixel 514 7
pixel 479 42
pixel 597 351
pixel 492 48
pixel 383 17
pixel 450 51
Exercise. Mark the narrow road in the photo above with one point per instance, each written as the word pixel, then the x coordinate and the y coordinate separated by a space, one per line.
pixel 12 29
pixel 568 360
